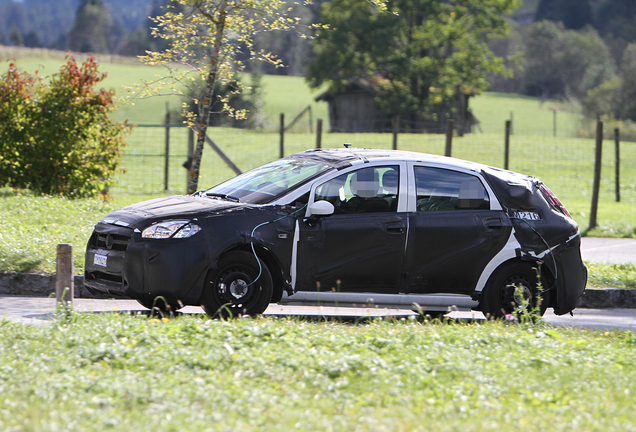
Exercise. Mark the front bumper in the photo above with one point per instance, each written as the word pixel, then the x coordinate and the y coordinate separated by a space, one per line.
pixel 145 268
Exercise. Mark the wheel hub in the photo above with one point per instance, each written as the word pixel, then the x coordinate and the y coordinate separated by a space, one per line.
pixel 238 288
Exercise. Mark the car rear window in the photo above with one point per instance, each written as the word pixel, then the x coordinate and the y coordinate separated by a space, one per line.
pixel 441 189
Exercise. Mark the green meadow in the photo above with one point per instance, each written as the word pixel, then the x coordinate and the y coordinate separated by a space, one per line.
pixel 110 371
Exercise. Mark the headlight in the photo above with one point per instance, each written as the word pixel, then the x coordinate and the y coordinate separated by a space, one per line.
pixel 171 229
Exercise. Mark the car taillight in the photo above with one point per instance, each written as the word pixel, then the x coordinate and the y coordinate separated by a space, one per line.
pixel 553 200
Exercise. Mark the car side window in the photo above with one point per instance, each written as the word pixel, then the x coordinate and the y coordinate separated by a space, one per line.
pixel 367 190
pixel 445 190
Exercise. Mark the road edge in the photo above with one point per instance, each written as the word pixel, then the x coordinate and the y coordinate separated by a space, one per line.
pixel 40 285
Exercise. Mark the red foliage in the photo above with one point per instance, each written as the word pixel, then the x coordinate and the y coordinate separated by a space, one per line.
pixel 58 137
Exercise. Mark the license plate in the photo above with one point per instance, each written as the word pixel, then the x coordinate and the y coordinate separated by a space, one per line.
pixel 100 260
pixel 532 216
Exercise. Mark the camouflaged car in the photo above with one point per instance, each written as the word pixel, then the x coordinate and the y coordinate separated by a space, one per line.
pixel 348 227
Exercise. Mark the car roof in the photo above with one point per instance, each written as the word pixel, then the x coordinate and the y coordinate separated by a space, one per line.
pixel 340 158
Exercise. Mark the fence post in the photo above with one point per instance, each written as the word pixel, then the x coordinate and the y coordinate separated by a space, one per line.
pixel 190 156
pixel 597 173
pixel 507 143
pixel 395 126
pixel 167 158
pixel 311 121
pixel 319 134
pixel 617 144
pixel 64 286
pixel 450 126
pixel 282 135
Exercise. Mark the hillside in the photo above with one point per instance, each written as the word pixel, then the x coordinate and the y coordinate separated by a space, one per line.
pixel 286 94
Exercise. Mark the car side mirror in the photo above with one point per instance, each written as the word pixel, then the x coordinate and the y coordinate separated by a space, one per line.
pixel 321 208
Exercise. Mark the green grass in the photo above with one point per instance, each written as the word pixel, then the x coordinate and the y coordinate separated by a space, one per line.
pixel 31 228
pixel 611 275
pixel 109 372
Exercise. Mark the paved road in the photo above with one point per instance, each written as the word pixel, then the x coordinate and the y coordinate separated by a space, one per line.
pixel 39 311
pixel 608 250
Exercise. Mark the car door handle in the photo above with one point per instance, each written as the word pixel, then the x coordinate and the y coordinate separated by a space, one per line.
pixel 494 225
pixel 394 228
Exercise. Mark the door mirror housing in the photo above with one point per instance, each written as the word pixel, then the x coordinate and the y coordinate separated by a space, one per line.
pixel 321 208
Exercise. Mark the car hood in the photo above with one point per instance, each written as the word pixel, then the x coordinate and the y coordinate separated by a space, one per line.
pixel 178 206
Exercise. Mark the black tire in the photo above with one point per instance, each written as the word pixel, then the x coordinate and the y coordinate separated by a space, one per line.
pixel 235 288
pixel 509 286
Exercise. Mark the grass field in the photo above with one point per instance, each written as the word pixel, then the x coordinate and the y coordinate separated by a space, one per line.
pixel 109 372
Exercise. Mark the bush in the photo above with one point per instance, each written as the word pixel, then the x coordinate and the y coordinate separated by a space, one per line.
pixel 57 137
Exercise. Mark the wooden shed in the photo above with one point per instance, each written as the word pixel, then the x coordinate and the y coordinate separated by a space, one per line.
pixel 353 109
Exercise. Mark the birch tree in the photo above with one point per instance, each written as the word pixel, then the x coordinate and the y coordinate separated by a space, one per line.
pixel 209 42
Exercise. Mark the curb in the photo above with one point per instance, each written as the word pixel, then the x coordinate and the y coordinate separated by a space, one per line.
pixel 599 298
pixel 37 285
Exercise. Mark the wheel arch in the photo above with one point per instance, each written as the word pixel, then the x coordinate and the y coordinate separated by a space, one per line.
pixel 546 277
pixel 271 261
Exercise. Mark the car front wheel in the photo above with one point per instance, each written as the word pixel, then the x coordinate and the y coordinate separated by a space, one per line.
pixel 512 288
pixel 238 286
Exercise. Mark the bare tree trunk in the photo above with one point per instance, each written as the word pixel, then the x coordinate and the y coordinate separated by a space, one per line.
pixel 205 106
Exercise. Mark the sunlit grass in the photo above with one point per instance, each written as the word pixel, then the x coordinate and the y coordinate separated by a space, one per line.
pixel 611 275
pixel 130 373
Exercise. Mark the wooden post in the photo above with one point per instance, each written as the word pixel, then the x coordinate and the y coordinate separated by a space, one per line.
pixel 190 156
pixel 311 121
pixel 396 127
pixel 319 134
pixel 282 135
pixel 64 286
pixel 167 157
pixel 617 144
pixel 597 173
pixel 507 143
pixel 450 126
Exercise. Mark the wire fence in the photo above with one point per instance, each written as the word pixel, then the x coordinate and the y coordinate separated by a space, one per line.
pixel 565 164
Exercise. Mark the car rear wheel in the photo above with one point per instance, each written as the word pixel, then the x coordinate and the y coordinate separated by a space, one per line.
pixel 238 286
pixel 513 287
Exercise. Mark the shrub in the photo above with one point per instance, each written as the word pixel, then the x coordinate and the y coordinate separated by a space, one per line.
pixel 56 137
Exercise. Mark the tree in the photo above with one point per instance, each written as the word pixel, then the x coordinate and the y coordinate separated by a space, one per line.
pixel 616 98
pixel 560 62
pixel 56 136
pixel 206 37
pixel 617 17
pixel 91 27
pixel 32 40
pixel 574 14
pixel 15 36
pixel 424 55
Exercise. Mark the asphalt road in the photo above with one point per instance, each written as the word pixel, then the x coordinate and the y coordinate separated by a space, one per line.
pixel 608 250
pixel 40 311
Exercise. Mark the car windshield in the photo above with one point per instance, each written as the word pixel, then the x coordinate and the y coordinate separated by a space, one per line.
pixel 268 182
